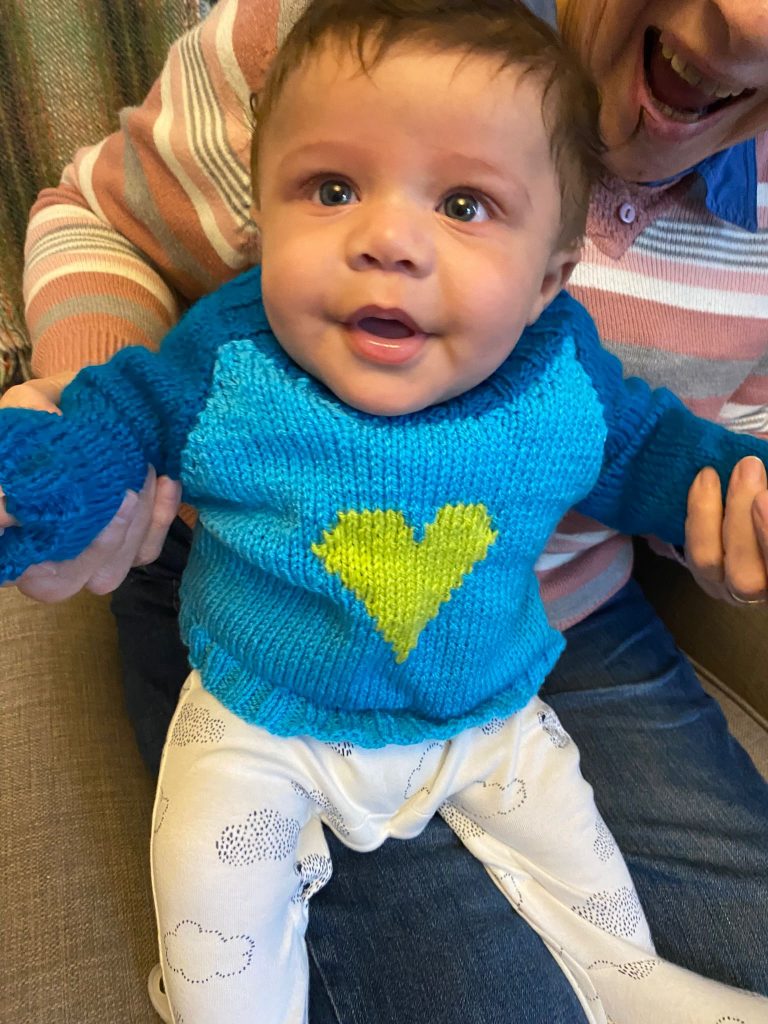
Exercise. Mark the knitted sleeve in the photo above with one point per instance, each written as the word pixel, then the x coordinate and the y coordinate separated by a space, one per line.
pixel 64 477
pixel 157 214
pixel 654 448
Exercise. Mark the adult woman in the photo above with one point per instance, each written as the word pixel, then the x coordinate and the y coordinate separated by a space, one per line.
pixel 678 87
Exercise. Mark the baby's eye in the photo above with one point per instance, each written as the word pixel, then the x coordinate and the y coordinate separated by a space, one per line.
pixel 334 193
pixel 465 207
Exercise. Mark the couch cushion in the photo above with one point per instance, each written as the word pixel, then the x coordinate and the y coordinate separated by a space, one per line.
pixel 75 805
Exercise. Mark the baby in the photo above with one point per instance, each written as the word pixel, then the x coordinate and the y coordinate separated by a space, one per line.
pixel 381 426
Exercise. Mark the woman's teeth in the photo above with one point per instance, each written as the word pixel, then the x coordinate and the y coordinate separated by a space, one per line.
pixel 689 74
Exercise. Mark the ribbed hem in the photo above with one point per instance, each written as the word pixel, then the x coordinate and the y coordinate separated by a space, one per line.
pixel 55 352
pixel 283 713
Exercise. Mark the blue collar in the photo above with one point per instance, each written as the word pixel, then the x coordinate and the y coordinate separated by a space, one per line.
pixel 731 180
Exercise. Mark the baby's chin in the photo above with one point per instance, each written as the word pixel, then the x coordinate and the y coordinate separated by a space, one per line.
pixel 390 402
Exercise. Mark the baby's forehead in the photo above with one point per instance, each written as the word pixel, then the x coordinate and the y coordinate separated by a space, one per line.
pixel 336 64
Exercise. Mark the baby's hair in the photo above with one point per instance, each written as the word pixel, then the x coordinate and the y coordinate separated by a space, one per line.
pixel 502 29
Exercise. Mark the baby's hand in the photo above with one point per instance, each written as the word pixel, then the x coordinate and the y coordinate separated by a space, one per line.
pixel 727 548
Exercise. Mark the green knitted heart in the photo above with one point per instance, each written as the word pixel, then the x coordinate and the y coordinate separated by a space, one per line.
pixel 401 581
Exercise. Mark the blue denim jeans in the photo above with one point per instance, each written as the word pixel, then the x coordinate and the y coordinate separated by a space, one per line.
pixel 416 931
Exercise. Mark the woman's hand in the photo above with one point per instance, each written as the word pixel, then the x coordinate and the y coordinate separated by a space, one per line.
pixel 44 393
pixel 727 548
pixel 134 537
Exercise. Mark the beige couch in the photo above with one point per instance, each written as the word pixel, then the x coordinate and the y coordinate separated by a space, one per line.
pixel 76 801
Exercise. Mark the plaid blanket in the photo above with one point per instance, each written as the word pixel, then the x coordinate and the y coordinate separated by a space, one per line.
pixel 66 69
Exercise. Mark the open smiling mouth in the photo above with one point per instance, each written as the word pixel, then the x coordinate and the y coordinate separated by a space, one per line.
pixel 681 91
pixel 385 336
pixel 392 329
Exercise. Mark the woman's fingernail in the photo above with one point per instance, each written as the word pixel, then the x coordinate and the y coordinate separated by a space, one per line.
pixel 708 479
pixel 751 471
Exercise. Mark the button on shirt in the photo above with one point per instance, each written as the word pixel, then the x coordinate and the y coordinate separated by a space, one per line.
pixel 627 213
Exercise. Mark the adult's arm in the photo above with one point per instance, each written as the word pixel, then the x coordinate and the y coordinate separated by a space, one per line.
pixel 140 226
pixel 157 214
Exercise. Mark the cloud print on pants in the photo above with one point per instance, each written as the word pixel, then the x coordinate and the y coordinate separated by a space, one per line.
pixel 200 955
pixel 196 725
pixel 264 835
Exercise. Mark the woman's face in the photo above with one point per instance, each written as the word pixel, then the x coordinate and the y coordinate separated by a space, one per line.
pixel 680 79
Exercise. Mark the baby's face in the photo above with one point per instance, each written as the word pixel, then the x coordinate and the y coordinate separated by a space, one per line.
pixel 409 221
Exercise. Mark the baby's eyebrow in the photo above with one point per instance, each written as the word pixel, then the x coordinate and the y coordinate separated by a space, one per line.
pixel 476 168
pixel 327 150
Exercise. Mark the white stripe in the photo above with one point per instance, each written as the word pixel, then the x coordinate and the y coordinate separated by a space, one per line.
pixel 580 542
pixel 683 296
pixel 82 239
pixel 161 134
pixel 546 562
pixel 84 168
pixel 762 193
pixel 137 272
pixel 225 50
pixel 585 539
pixel 745 419
pixel 61 211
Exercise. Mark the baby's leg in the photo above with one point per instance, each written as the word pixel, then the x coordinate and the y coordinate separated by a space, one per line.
pixel 235 850
pixel 526 812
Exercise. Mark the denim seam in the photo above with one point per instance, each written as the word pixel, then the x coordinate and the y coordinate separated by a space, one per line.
pixel 328 992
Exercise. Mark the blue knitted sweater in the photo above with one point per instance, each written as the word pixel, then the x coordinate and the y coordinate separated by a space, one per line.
pixel 352 576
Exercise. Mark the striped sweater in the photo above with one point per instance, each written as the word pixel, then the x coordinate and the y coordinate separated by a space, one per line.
pixel 158 214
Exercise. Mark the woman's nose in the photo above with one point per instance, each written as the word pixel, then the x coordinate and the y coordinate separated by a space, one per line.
pixel 392 237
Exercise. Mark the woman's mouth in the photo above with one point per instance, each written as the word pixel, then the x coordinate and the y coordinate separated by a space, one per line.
pixel 680 90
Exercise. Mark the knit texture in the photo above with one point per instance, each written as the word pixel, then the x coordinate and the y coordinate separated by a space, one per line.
pixel 360 577
pixel 160 213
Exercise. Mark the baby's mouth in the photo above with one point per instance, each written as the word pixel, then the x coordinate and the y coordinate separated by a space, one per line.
pixel 385 336
pixel 680 90
pixel 392 329
pixel 386 323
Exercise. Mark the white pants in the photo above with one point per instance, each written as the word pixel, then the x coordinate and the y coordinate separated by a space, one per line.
pixel 238 850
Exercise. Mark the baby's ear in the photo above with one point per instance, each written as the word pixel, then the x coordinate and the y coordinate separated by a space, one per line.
pixel 557 273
